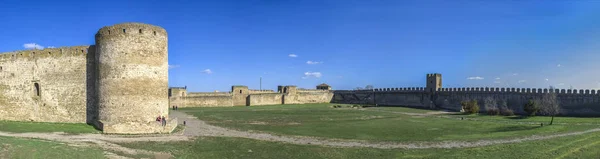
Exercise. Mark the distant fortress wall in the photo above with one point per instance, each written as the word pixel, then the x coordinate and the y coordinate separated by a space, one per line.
pixel 242 96
pixel 573 102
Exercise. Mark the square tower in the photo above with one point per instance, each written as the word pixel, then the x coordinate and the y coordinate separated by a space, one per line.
pixel 239 90
pixel 434 82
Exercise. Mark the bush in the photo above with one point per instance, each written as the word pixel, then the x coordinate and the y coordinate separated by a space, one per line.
pixel 531 108
pixel 507 112
pixel 470 107
pixel 493 111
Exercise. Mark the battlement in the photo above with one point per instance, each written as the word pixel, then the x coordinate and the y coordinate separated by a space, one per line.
pixel 434 75
pixel 193 94
pixel 131 29
pixel 47 53
pixel 519 90
pixel 310 90
pixel 254 91
pixel 405 89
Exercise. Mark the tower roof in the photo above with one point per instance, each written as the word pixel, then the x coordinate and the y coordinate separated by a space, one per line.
pixel 323 85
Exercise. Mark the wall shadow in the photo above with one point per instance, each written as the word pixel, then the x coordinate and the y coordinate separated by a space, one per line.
pixel 91 96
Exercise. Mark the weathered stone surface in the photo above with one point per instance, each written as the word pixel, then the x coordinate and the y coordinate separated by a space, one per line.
pixel 133 73
pixel 242 96
pixel 121 79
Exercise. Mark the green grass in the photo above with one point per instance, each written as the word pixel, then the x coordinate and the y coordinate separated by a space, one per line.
pixel 584 146
pixel 537 119
pixel 74 128
pixel 31 148
pixel 378 124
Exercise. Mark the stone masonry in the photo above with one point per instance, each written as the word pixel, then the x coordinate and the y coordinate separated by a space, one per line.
pixel 118 84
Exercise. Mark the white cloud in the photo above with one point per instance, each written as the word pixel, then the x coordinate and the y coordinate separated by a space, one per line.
pixel 312 74
pixel 50 47
pixel 497 78
pixel 522 81
pixel 293 55
pixel 33 46
pixel 173 66
pixel 514 74
pixel 207 71
pixel 546 79
pixel 558 65
pixel 313 62
pixel 475 78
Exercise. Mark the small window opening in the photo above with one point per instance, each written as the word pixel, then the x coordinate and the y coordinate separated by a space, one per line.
pixel 81 51
pixel 0 68
pixel 37 89
pixel 108 32
pixel 124 31
pixel 49 53
pixel 140 31
pixel 240 91
pixel 154 32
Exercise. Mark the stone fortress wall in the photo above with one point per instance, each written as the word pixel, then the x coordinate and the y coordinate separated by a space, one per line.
pixel 242 96
pixel 50 85
pixel 117 84
pixel 583 102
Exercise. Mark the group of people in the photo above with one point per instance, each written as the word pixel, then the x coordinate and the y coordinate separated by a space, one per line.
pixel 175 107
pixel 162 120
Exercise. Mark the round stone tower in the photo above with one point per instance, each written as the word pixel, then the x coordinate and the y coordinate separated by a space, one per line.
pixel 132 79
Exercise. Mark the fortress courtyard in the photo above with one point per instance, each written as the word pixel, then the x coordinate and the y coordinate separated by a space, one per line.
pixel 267 79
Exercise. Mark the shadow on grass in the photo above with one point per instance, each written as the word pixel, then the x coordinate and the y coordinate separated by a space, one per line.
pixel 516 128
pixel 517 117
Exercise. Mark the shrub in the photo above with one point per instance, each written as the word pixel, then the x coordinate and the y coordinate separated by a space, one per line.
pixel 493 111
pixel 470 107
pixel 531 108
pixel 507 112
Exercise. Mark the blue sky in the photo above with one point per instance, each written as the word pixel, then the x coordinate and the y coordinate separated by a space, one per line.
pixel 348 43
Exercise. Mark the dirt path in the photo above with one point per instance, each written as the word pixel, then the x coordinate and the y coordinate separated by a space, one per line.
pixel 105 142
pixel 197 127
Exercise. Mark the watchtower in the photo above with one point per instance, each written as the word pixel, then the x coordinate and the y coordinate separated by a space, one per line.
pixel 132 77
pixel 434 81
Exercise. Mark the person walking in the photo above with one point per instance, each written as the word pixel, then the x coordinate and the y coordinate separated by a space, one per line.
pixel 164 122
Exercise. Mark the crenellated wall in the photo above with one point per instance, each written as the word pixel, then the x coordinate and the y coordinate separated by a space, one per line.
pixel 573 102
pixel 252 91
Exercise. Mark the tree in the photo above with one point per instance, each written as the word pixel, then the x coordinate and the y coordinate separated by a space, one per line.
pixel 470 107
pixel 550 105
pixel 490 105
pixel 531 107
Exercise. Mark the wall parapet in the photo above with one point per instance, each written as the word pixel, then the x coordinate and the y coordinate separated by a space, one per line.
pixel 310 90
pixel 520 90
pixel 47 53
pixel 192 94
pixel 254 91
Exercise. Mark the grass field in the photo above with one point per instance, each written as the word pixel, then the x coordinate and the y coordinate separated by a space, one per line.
pixel 394 124
pixel 377 124
pixel 73 128
pixel 31 148
pixel 584 146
